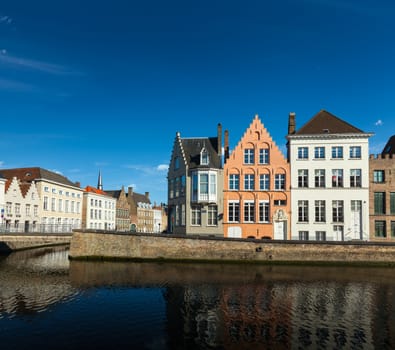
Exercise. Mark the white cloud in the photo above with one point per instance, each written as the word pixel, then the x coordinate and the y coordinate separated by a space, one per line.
pixel 379 123
pixel 5 19
pixel 26 63
pixel 57 172
pixel 162 167
pixel 134 186
pixel 1 163
pixel 14 85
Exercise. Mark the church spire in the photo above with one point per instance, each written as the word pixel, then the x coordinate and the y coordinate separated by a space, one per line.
pixel 99 182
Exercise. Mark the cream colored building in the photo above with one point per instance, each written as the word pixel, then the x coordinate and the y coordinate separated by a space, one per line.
pixel 60 200
pixel 99 210
pixel 329 161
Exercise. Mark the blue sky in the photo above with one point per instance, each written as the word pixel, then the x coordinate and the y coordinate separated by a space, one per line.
pixel 105 85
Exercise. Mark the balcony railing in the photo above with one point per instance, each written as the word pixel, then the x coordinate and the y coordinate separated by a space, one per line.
pixel 37 228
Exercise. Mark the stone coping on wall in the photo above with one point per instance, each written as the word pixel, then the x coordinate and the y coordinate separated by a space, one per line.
pixel 102 245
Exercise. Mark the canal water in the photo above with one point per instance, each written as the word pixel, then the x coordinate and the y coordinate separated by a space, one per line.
pixel 49 302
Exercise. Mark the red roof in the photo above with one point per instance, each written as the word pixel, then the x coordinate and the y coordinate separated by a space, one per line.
pixel 95 190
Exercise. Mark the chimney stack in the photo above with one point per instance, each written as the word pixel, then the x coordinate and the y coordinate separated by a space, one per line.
pixel 147 195
pixel 291 123
pixel 226 145
pixel 219 138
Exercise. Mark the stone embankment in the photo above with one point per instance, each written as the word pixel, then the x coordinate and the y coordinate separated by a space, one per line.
pixel 9 243
pixel 111 246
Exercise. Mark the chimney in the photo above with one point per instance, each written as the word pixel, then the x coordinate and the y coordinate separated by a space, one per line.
pixel 147 195
pixel 78 184
pixel 130 192
pixel 226 145
pixel 291 123
pixel 219 138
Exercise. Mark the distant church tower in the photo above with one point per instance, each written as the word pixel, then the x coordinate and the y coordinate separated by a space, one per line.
pixel 99 182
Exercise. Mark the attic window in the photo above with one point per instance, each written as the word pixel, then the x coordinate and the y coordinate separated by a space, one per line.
pixel 28 174
pixel 203 157
pixel 326 131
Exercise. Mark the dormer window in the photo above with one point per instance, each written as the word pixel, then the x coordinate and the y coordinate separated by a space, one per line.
pixel 203 157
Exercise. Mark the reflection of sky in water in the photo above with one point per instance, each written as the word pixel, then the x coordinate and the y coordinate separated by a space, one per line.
pixel 148 306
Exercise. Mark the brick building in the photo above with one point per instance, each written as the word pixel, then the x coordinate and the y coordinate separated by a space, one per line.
pixel 382 194
pixel 256 187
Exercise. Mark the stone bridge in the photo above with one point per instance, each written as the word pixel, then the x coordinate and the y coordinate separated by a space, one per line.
pixel 20 241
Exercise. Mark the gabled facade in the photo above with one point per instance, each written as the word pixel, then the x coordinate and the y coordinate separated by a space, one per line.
pixel 141 213
pixel 382 194
pixel 256 187
pixel 60 208
pixel 21 212
pixel 122 215
pixel 98 210
pixel 329 161
pixel 195 185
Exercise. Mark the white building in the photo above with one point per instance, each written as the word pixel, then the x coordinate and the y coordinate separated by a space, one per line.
pixel 99 210
pixel 2 199
pixel 158 226
pixel 22 204
pixel 329 161
pixel 60 200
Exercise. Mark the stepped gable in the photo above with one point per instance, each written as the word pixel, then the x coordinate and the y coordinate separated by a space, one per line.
pixel 257 125
pixel 326 123
pixel 27 175
pixel 192 148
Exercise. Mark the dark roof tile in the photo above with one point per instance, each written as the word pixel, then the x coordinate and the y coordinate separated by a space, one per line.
pixel 326 123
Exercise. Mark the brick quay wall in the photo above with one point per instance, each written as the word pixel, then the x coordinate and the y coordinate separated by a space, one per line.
pixel 100 245
pixel 14 242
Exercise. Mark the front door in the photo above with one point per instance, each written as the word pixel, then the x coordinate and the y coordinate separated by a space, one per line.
pixel 280 230
pixel 356 218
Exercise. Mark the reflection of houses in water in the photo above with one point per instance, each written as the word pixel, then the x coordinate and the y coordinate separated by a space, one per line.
pixel 33 280
pixel 274 316
pixel 327 315
pixel 384 317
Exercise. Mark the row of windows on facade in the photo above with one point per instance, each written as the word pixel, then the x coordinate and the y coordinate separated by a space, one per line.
pixel 62 206
pixel 249 211
pixel 204 186
pixel 122 213
pixel 99 226
pixel 380 229
pixel 76 223
pixel 96 214
pixel 380 200
pixel 61 192
pixel 320 210
pixel 321 235
pixel 98 203
pixel 177 187
pixel 337 179
pixel 336 152
pixel 196 215
pixel 18 209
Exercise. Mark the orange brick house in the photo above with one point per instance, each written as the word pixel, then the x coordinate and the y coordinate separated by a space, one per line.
pixel 256 187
